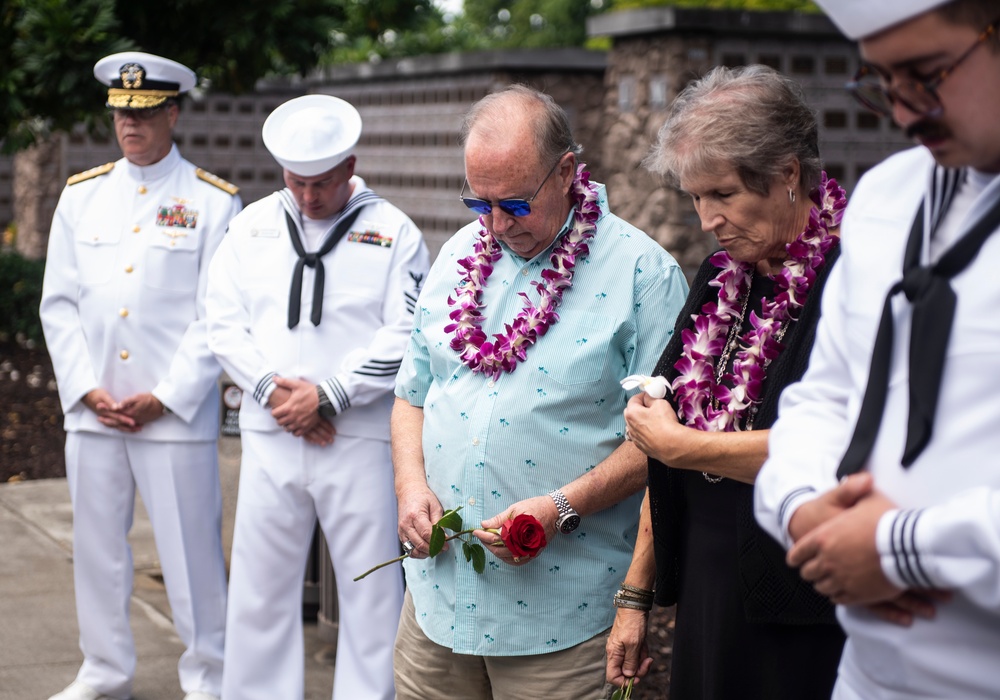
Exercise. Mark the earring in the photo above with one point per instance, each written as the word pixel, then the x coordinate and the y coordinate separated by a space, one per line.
pixel 791 195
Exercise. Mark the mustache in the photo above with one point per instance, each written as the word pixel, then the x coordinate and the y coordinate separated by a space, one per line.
pixel 926 129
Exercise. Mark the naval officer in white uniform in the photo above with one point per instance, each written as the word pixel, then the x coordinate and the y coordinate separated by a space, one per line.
pixel 123 314
pixel 902 395
pixel 310 306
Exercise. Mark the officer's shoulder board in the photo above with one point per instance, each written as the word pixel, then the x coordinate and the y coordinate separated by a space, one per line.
pixel 217 181
pixel 92 173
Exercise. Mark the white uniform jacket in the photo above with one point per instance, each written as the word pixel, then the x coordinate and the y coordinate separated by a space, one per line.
pixel 373 277
pixel 946 533
pixel 123 297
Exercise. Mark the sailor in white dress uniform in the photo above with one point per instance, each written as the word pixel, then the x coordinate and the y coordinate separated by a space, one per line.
pixel 317 367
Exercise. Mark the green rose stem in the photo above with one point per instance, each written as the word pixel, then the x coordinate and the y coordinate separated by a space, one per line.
pixel 625 692
pixel 457 535
pixel 451 520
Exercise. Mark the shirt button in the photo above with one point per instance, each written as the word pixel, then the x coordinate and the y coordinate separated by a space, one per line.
pixel 129 268
pixel 142 189
pixel 475 441
pixel 136 229
pixel 491 384
pixel 123 354
pixel 524 272
pixel 472 501
pixel 123 312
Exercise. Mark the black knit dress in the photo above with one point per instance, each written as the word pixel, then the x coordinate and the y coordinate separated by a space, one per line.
pixel 747 625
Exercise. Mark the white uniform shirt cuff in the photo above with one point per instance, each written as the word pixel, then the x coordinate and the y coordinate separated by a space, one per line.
pixel 789 504
pixel 896 541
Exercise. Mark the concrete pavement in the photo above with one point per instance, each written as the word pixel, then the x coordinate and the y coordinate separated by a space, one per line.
pixel 39 654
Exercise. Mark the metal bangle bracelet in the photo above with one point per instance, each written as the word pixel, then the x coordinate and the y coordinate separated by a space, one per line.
pixel 632 604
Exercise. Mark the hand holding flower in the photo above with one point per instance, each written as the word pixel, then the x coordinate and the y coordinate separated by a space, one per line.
pixel 656 387
pixel 519 534
pixel 523 534
pixel 653 427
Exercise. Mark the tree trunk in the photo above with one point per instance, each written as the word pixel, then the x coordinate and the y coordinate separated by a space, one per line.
pixel 37 184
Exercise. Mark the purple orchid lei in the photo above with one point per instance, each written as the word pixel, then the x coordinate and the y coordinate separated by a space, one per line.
pixel 696 386
pixel 510 347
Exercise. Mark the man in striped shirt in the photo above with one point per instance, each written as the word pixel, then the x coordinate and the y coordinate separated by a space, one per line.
pixel 524 421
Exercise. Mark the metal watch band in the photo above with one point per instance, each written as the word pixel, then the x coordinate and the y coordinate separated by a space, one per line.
pixel 562 505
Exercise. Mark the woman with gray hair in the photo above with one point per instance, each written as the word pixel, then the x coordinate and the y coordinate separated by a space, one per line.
pixel 743 144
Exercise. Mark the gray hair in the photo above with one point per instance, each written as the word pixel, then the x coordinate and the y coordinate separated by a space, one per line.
pixel 752 119
pixel 553 135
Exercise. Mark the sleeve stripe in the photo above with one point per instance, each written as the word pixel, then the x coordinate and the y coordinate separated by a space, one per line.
pixel 381 373
pixel 262 385
pixel 904 550
pixel 385 368
pixel 336 394
pixel 786 501
pixel 395 362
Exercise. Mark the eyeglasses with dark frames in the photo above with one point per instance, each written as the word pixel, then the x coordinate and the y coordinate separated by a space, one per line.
pixel 514 207
pixel 873 90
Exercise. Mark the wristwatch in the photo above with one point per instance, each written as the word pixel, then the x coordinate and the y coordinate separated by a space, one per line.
pixel 568 519
pixel 325 408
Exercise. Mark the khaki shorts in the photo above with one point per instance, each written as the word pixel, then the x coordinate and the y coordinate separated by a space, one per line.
pixel 428 671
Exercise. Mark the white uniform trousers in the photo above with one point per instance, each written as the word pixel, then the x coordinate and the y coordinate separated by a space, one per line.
pixel 179 485
pixel 285 483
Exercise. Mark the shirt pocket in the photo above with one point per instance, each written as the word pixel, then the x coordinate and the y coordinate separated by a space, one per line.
pixel 96 255
pixel 172 264
pixel 580 346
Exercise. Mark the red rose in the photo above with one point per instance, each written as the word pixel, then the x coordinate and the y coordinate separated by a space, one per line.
pixel 524 536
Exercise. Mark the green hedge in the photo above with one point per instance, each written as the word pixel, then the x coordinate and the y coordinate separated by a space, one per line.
pixel 20 294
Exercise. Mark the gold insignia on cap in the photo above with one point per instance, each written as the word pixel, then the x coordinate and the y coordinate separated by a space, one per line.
pixel 88 174
pixel 217 181
pixel 132 75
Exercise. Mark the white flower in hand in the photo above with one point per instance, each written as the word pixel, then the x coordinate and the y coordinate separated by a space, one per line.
pixel 654 386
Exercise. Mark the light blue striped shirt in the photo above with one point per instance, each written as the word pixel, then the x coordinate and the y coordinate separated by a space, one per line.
pixel 490 444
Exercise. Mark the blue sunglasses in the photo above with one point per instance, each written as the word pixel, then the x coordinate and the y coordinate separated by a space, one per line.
pixel 514 207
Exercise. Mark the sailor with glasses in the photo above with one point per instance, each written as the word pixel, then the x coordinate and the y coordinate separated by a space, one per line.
pixel 883 479
pixel 509 402
pixel 124 318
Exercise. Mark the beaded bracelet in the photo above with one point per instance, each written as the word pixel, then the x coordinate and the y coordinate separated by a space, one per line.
pixel 632 604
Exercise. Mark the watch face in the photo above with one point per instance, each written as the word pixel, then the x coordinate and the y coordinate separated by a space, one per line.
pixel 569 523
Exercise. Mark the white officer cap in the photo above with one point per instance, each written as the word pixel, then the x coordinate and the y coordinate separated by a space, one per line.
pixel 138 80
pixel 311 135
pixel 858 19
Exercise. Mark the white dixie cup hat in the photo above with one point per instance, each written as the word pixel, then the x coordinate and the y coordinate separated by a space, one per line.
pixel 858 19
pixel 311 135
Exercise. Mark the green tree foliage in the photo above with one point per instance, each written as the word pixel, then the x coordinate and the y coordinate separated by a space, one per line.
pixel 804 5
pixel 43 44
pixel 22 281
pixel 508 24
pixel 48 47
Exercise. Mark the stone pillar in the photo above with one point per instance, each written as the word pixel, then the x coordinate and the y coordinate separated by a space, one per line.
pixel 36 185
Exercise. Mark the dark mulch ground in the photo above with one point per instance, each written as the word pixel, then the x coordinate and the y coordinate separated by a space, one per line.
pixel 31 434
pixel 31 447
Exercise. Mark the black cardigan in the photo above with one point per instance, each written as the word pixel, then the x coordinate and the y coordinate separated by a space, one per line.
pixel 772 592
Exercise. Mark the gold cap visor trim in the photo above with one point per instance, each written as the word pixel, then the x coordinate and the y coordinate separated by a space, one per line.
pixel 120 98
